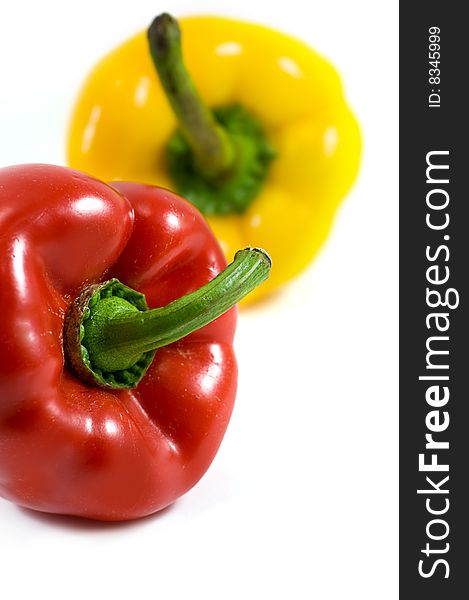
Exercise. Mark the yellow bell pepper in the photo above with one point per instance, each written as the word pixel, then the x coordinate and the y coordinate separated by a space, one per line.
pixel 282 191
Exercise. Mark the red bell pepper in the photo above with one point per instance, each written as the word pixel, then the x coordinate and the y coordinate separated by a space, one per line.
pixel 81 432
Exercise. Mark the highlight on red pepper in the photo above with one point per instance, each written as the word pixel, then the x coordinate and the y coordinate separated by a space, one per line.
pixel 250 125
pixel 117 371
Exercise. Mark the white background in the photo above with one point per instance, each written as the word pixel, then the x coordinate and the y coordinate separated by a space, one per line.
pixel 301 501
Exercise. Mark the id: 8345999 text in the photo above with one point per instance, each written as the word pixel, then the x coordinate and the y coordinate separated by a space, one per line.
pixel 434 71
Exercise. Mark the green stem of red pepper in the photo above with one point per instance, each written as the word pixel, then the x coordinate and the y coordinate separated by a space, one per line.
pixel 110 337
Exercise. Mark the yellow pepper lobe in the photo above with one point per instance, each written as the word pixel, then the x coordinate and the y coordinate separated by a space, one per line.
pixel 122 123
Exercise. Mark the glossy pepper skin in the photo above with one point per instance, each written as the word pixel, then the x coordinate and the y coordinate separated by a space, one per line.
pixel 69 448
pixel 122 122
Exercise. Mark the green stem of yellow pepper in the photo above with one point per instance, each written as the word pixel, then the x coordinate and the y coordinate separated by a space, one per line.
pixel 219 159
pixel 212 147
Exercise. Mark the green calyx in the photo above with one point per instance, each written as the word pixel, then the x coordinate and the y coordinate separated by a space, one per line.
pixel 217 159
pixel 84 331
pixel 110 336
pixel 233 191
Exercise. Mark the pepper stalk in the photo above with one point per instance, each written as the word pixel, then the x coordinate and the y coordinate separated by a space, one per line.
pixel 218 159
pixel 111 337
